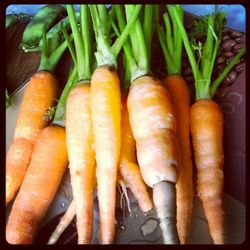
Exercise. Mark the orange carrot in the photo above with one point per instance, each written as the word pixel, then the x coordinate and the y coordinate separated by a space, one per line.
pixel 106 115
pixel 128 168
pixel 47 166
pixel 171 43
pixel 81 158
pixel 39 95
pixel 106 118
pixel 207 132
pixel 79 132
pixel 207 119
pixel 152 120
pixel 179 93
pixel 149 101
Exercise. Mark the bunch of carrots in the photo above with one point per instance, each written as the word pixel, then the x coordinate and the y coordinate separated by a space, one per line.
pixel 130 130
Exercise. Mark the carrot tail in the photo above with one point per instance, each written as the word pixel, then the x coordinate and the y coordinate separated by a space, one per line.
pixel 106 118
pixel 128 168
pixel 180 98
pixel 164 196
pixel 132 176
pixel 65 220
pixel 38 97
pixel 48 163
pixel 81 158
pixel 207 132
pixel 184 198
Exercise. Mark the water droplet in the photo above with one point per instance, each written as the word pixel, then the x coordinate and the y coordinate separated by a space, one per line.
pixel 136 215
pixel 123 227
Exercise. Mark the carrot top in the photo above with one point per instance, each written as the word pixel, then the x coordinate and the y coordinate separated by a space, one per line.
pixel 49 57
pixel 59 110
pixel 203 67
pixel 107 53
pixel 138 47
pixel 82 40
pixel 81 56
pixel 171 41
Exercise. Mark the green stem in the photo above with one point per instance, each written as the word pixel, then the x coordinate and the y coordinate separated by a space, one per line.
pixel 169 37
pixel 117 46
pixel 103 54
pixel 61 106
pixel 190 53
pixel 111 18
pixel 70 46
pixel 78 42
pixel 217 82
pixel 216 48
pixel 168 59
pixel 57 54
pixel 129 62
pixel 177 55
pixel 147 27
pixel 208 49
pixel 103 14
pixel 143 58
pixel 85 26
pixel 49 62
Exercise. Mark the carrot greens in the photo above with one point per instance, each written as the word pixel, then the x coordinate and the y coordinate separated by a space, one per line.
pixel 213 24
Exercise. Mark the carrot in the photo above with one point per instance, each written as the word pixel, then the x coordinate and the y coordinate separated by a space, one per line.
pixel 40 95
pixel 106 117
pixel 178 90
pixel 171 44
pixel 39 185
pixel 128 168
pixel 106 113
pixel 79 131
pixel 81 158
pixel 207 133
pixel 65 220
pixel 48 163
pixel 207 120
pixel 152 120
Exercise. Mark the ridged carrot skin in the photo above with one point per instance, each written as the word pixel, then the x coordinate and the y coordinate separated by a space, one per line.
pixel 153 123
pixel 207 136
pixel 80 140
pixel 106 119
pixel 40 94
pixel 128 168
pixel 48 164
pixel 178 90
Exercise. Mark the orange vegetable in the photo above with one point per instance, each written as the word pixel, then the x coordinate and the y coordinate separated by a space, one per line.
pixel 207 132
pixel 47 166
pixel 153 124
pixel 128 168
pixel 178 90
pixel 81 158
pixel 106 119
pixel 39 95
